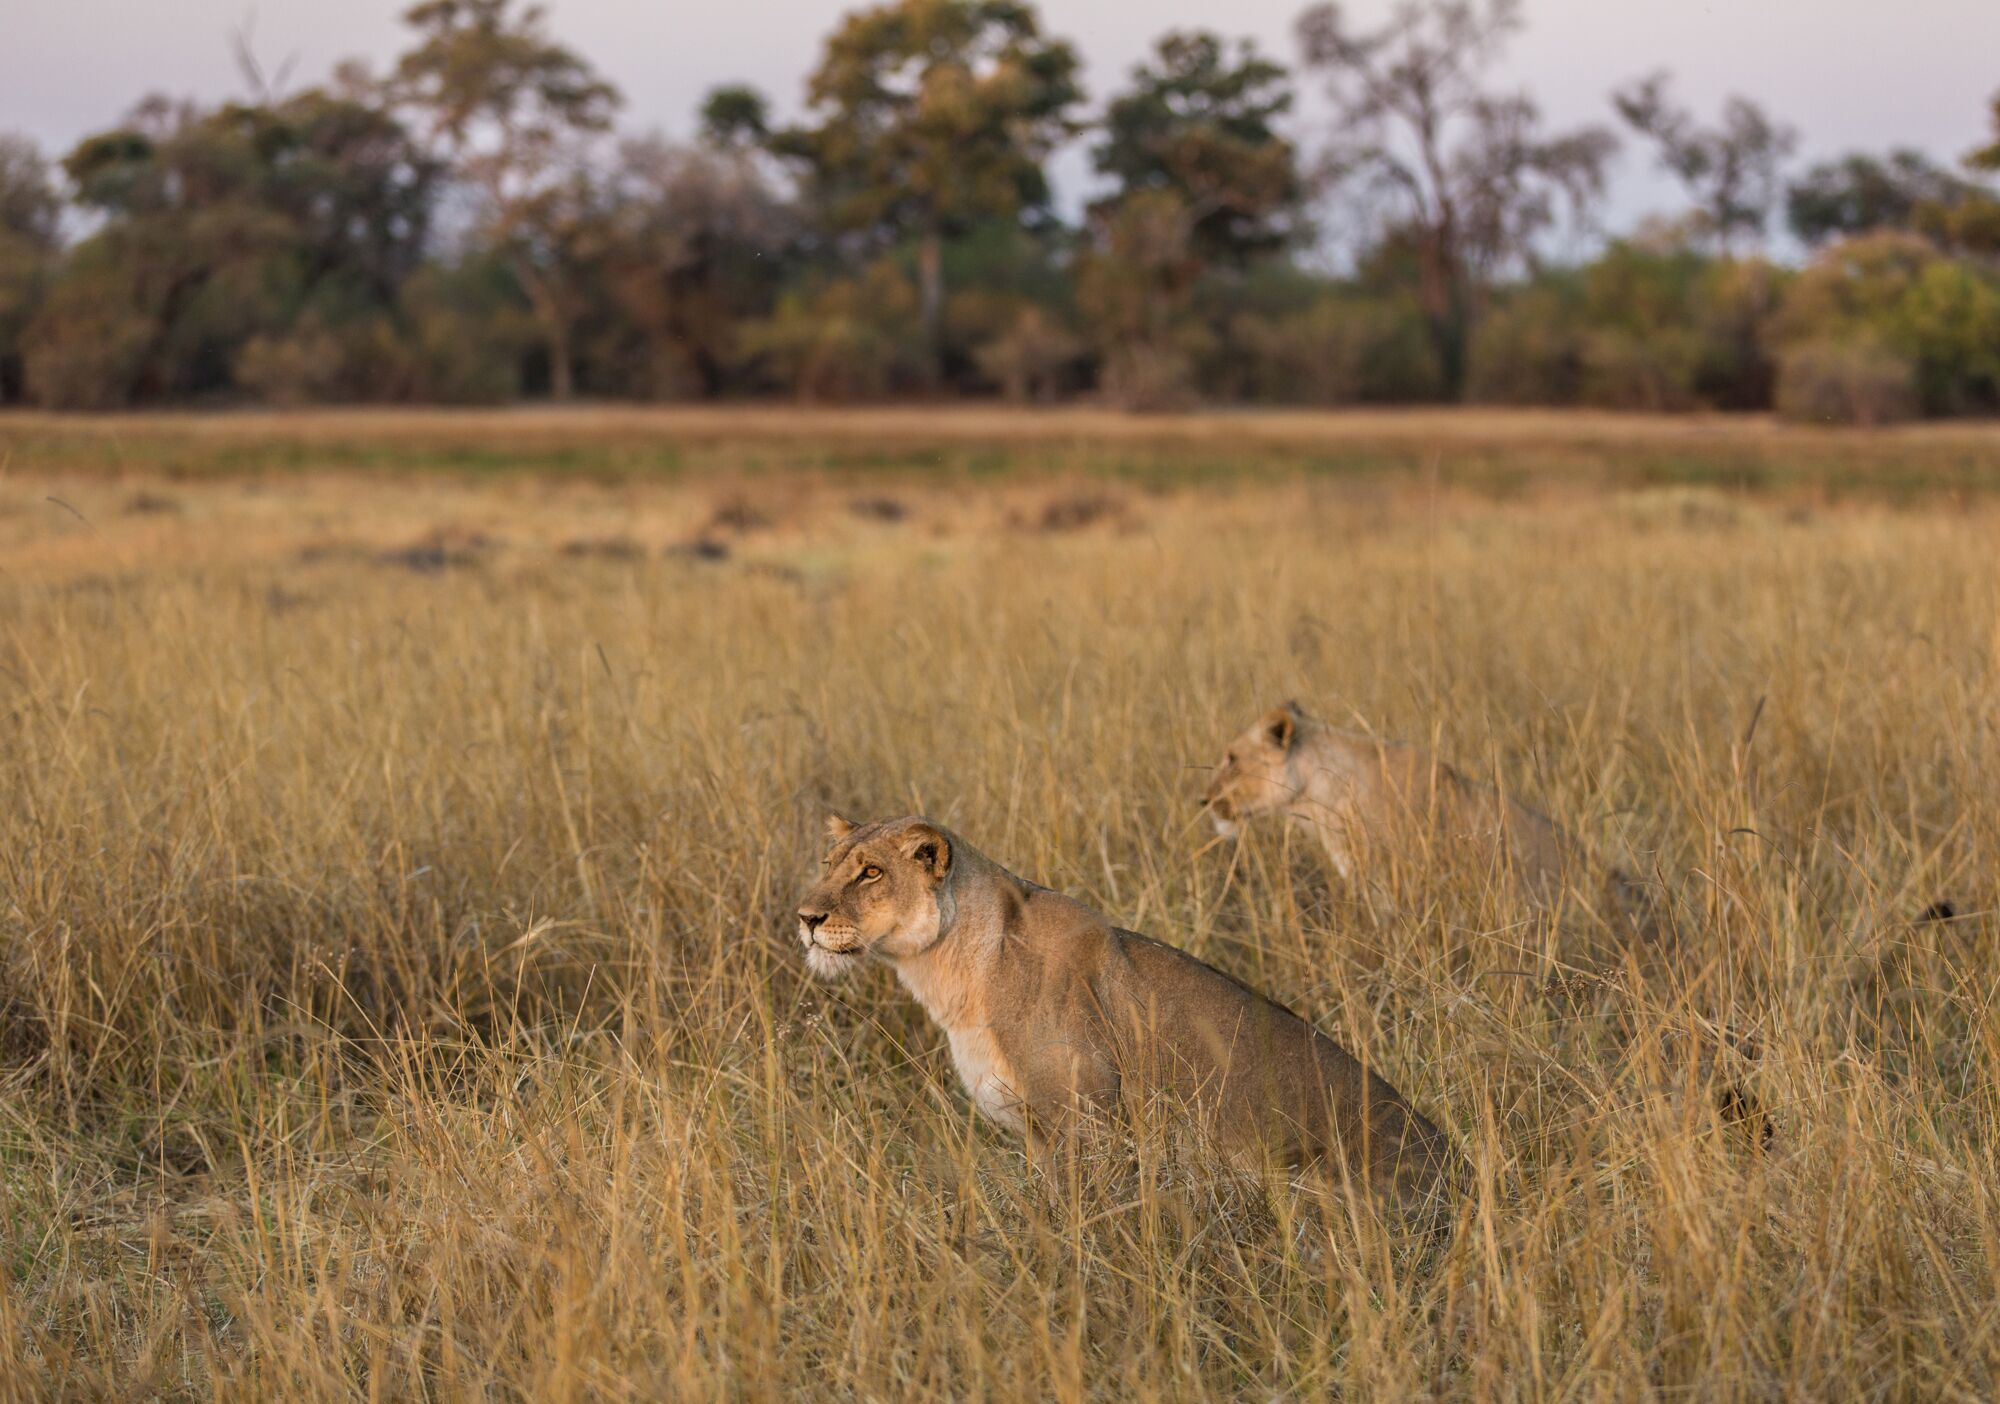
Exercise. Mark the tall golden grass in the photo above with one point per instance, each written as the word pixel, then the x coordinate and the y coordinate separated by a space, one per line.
pixel 398 995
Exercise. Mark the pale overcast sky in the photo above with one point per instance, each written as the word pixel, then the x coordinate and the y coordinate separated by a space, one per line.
pixel 1847 73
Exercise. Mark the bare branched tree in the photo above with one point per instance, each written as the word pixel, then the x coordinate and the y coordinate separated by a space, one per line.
pixel 264 85
pixel 1465 175
pixel 1734 171
pixel 516 112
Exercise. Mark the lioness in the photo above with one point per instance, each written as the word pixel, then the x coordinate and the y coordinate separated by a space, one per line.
pixel 1051 1011
pixel 1358 793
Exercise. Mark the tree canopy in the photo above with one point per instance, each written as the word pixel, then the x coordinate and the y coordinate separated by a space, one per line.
pixel 1200 124
pixel 929 116
pixel 1860 192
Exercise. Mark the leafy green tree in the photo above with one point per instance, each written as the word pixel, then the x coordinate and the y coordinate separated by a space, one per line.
pixel 30 215
pixel 1970 224
pixel 1463 177
pixel 929 117
pixel 1859 193
pixel 1732 171
pixel 1900 293
pixel 514 111
pixel 1987 158
pixel 222 226
pixel 734 117
pixel 1200 124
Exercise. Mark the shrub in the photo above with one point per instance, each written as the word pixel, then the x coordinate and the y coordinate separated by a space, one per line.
pixel 1627 372
pixel 305 366
pixel 1845 382
pixel 86 348
pixel 1948 324
pixel 1528 351
pixel 459 337
pixel 1645 327
pixel 25 267
pixel 1940 317
pixel 1149 379
pixel 1338 351
pixel 1739 299
pixel 1030 360
pixel 852 339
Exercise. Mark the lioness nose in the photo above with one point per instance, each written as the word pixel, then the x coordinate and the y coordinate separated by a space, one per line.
pixel 810 919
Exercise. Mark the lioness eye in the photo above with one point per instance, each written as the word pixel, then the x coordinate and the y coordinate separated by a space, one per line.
pixel 870 873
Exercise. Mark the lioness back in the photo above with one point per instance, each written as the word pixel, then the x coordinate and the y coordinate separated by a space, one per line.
pixel 1269 1082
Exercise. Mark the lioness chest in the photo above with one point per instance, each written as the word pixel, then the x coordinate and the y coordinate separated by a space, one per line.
pixel 988 1079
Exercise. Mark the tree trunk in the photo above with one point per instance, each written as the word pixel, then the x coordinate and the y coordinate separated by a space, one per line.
pixel 1454 343
pixel 930 292
pixel 1442 295
pixel 555 328
pixel 562 378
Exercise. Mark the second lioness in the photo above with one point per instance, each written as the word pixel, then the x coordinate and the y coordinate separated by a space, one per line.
pixel 1364 798
pixel 1051 1011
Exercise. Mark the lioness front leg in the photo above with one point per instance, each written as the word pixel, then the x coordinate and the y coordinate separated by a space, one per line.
pixel 1079 1097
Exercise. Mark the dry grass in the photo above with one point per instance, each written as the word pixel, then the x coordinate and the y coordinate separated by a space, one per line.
pixel 397 995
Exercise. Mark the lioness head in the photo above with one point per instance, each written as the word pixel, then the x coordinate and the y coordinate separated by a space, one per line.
pixel 1255 775
pixel 883 894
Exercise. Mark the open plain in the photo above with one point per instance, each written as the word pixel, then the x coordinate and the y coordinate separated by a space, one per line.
pixel 399 995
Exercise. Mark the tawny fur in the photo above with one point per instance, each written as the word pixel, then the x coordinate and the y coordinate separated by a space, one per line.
pixel 1052 1012
pixel 1365 798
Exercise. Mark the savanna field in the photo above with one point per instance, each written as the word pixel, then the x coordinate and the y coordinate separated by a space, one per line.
pixel 399 992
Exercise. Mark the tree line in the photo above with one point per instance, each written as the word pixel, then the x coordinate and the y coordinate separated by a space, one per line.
pixel 469 226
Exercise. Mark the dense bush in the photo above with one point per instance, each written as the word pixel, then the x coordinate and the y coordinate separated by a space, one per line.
pixel 1149 379
pixel 1033 358
pixel 1653 371
pixel 1640 328
pixel 85 349
pixel 1855 381
pixel 852 338
pixel 1528 350
pixel 1938 315
pixel 1336 351
pixel 299 367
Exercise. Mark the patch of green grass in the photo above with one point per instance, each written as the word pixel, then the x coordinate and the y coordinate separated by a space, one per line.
pixel 1515 458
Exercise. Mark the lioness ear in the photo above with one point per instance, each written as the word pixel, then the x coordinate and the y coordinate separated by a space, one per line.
pixel 837 828
pixel 930 848
pixel 1282 725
